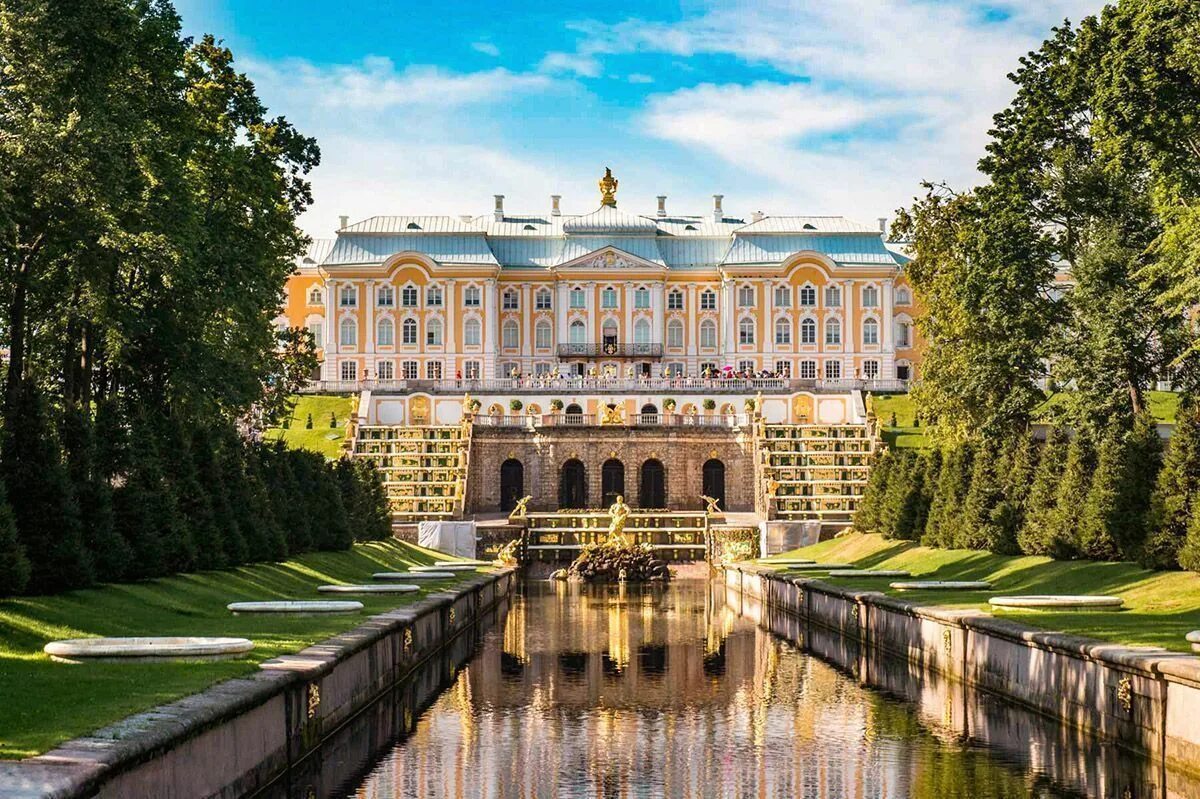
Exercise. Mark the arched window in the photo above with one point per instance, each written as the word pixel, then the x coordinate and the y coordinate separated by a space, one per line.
pixel 833 296
pixel 608 331
pixel 713 481
pixel 612 481
pixel 578 298
pixel 652 488
pixel 385 333
pixel 408 332
pixel 408 296
pixel 675 300
pixel 641 297
pixel 870 297
pixel 808 331
pixel 870 331
pixel 675 334
pixel 808 296
pixel 472 333
pixel 783 331
pixel 348 333
pixel 708 300
pixel 608 297
pixel 903 333
pixel 572 485
pixel 903 296
pixel 783 297
pixel 833 331
pixel 641 332
pixel 348 297
pixel 746 331
pixel 512 484
pixel 708 334
pixel 578 332
pixel 510 335
pixel 315 297
pixel 542 335
pixel 433 333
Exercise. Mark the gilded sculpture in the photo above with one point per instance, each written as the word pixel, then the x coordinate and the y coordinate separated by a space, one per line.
pixel 519 512
pixel 608 189
pixel 618 512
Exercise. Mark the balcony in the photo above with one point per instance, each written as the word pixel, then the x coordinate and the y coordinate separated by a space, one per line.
pixel 542 384
pixel 610 350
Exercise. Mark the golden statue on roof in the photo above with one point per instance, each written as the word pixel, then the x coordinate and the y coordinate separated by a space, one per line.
pixel 608 188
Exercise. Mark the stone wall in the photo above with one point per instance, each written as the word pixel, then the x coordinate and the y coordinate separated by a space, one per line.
pixel 543 452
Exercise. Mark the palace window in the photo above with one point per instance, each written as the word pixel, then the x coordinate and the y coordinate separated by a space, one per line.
pixel 673 370
pixel 510 335
pixel 709 367
pixel 833 296
pixel 833 370
pixel 317 329
pixel 870 331
pixel 641 332
pixel 578 332
pixel 641 297
pixel 871 370
pixel 870 297
pixel 783 331
pixel 746 366
pixel 833 332
pixel 472 333
pixel 808 370
pixel 675 334
pixel 408 332
pixel 348 297
pixel 675 300
pixel 578 298
pixel 408 296
pixel 541 368
pixel 903 296
pixel 385 370
pixel 708 300
pixel 708 334
pixel 746 331
pixel 783 368
pixel 349 370
pixel 433 370
pixel 314 297
pixel 348 333
pixel 409 370
pixel 471 370
pixel 542 335
pixel 510 301
pixel 808 331
pixel 608 297
pixel 903 334
pixel 385 333
pixel 433 297
pixel 783 297
pixel 385 297
pixel 433 333
pixel 808 296
pixel 541 300
pixel 471 297
pixel 746 297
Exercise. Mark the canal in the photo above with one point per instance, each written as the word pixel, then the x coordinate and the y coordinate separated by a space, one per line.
pixel 613 691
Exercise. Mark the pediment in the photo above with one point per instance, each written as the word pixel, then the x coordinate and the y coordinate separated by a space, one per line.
pixel 609 259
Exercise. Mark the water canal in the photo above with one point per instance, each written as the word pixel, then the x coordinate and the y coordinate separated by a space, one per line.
pixel 649 692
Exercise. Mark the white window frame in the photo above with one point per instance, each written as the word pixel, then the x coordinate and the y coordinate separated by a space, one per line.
pixel 675 334
pixel 708 329
pixel 350 324
pixel 510 334
pixel 385 332
pixel 349 370
pixel 808 370
pixel 674 300
pixel 833 332
pixel 746 331
pixel 783 296
pixel 543 300
pixel 783 325
pixel 708 300
pixel 410 333
pixel 472 297
pixel 472 333
pixel 434 332
pixel 833 296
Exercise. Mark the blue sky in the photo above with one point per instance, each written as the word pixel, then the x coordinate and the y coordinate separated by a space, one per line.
pixel 800 106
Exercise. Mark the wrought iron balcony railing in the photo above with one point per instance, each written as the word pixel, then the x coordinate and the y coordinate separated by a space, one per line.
pixel 610 350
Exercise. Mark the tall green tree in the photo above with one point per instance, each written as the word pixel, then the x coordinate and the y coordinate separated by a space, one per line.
pixel 1036 535
pixel 1061 535
pixel 1176 495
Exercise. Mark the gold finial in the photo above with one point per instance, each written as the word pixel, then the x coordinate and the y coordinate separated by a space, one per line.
pixel 608 189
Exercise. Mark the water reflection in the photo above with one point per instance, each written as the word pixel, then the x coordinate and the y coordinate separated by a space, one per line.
pixel 628 692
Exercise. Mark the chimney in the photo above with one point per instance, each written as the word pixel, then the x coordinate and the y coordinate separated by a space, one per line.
pixel 466 218
pixel 343 221
pixel 662 205
pixel 718 214
pixel 883 224
pixel 757 216
pixel 499 207
pixel 555 210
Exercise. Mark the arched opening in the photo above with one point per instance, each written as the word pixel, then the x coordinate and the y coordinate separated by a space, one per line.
pixel 714 481
pixel 512 484
pixel 574 409
pixel 652 493
pixel 649 415
pixel 572 486
pixel 612 481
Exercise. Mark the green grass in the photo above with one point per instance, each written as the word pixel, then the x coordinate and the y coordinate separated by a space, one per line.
pixel 904 433
pixel 46 703
pixel 321 438
pixel 1160 607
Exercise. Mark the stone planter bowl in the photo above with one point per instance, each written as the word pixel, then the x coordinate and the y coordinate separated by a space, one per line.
pixel 1193 638
pixel 942 585
pixel 868 573
pixel 456 568
pixel 144 649
pixel 1050 602
pixel 295 607
pixel 412 575
pixel 395 588
pixel 477 563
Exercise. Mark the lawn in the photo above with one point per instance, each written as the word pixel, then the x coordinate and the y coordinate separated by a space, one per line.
pixel 1160 607
pixel 321 438
pixel 46 702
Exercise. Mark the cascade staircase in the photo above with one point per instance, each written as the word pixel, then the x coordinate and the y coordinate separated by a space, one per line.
pixel 424 468
pixel 814 472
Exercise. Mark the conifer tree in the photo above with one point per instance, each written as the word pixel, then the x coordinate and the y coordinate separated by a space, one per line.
pixel 1189 553
pixel 91 478
pixel 245 533
pixel 190 492
pixel 272 537
pixel 912 505
pixel 1062 533
pixel 892 504
pixel 1176 494
pixel 1042 500
pixel 287 497
pixel 14 566
pixel 867 514
pixel 215 554
pixel 932 473
pixel 1096 534
pixel 945 515
pixel 976 530
pixel 376 516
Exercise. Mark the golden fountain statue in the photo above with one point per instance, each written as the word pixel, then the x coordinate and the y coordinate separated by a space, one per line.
pixel 614 415
pixel 608 189
pixel 617 513
pixel 712 504
pixel 519 511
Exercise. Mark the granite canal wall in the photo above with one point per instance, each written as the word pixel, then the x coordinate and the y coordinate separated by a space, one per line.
pixel 1142 698
pixel 241 735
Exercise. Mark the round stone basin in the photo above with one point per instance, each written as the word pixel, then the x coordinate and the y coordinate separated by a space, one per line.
pixel 869 573
pixel 134 650
pixel 1060 603
pixel 817 567
pixel 456 568
pixel 303 607
pixel 1193 638
pixel 412 575
pixel 942 585
pixel 395 588
pixel 475 563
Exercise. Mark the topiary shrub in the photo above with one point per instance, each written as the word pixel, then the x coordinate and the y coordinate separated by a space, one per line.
pixel 515 405
pixel 308 423
pixel 709 404
pixel 556 405
pixel 332 420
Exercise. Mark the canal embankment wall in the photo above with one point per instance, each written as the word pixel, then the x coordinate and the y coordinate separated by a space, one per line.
pixel 241 735
pixel 1142 698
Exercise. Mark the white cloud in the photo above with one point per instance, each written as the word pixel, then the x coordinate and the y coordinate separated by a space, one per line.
pixel 487 48
pixel 639 77
pixel 572 63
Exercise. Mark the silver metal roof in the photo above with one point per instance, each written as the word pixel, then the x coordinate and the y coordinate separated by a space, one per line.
pixel 318 251
pixel 806 224
pixel 608 221
pixel 447 249
pixel 410 224
pixel 848 249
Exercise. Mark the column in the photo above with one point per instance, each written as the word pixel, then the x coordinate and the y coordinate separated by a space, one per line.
pixel 525 320
pixel 489 329
pixel 592 310
pixel 450 335
pixel 561 309
pixel 329 334
pixel 369 316
pixel 768 345
pixel 728 321
pixel 887 332
pixel 691 324
pixel 627 334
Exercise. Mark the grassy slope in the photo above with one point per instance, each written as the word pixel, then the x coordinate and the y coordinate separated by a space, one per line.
pixel 321 438
pixel 46 702
pixel 1160 607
